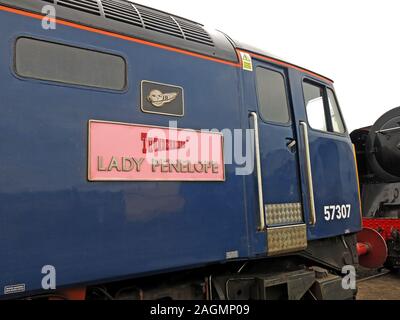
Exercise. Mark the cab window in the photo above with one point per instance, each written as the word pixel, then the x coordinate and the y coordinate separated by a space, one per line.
pixel 322 108
pixel 337 122
pixel 272 98
pixel 314 101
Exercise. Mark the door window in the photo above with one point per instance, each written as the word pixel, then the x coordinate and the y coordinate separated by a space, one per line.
pixel 337 122
pixel 272 98
pixel 322 108
pixel 314 101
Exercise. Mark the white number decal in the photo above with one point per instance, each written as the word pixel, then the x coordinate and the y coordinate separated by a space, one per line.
pixel 337 212
pixel 344 211
pixel 332 208
pixel 326 213
pixel 348 210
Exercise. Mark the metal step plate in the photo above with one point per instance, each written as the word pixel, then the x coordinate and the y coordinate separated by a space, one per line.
pixel 286 239
pixel 284 213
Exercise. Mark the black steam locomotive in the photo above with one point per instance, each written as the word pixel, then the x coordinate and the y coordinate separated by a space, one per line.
pixel 378 159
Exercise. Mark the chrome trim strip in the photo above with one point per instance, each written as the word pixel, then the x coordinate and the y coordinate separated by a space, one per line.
pixel 304 126
pixel 259 175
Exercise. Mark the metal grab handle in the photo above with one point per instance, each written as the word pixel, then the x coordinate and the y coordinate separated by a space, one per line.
pixel 258 167
pixel 304 127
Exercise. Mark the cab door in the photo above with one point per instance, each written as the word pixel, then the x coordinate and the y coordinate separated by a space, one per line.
pixel 331 168
pixel 280 196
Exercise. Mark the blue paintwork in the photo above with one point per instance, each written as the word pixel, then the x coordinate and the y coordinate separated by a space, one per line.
pixel 91 231
pixel 334 171
pixel 279 164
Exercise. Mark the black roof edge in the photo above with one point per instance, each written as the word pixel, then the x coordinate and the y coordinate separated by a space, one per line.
pixel 222 48
pixel 165 12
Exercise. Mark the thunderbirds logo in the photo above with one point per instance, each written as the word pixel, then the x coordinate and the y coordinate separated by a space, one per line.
pixel 156 144
pixel 159 99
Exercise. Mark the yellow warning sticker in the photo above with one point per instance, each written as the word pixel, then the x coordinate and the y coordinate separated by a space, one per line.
pixel 247 63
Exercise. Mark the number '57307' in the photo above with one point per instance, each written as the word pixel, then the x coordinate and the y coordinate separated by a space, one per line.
pixel 337 212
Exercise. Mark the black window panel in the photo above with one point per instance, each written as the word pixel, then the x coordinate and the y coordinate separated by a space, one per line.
pixel 66 64
pixel 272 98
pixel 314 102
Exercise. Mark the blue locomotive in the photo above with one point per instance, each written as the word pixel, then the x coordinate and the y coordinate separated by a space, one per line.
pixel 86 214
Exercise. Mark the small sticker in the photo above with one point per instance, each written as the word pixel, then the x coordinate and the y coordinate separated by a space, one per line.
pixel 16 288
pixel 247 63
pixel 232 254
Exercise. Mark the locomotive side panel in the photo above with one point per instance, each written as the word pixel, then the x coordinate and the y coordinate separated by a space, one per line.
pixel 52 215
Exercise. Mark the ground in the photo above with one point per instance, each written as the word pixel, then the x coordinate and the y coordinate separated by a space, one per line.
pixel 386 287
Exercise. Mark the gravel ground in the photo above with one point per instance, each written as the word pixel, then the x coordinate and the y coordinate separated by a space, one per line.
pixel 386 287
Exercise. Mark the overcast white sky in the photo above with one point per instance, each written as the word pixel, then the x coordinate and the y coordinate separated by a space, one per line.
pixel 354 42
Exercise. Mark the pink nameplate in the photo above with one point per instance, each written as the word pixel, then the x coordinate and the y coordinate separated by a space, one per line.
pixel 133 152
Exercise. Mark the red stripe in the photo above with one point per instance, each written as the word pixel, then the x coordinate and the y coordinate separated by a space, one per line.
pixel 160 46
pixel 287 65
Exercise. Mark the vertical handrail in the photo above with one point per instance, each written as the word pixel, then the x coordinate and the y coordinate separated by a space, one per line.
pixel 304 127
pixel 258 168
